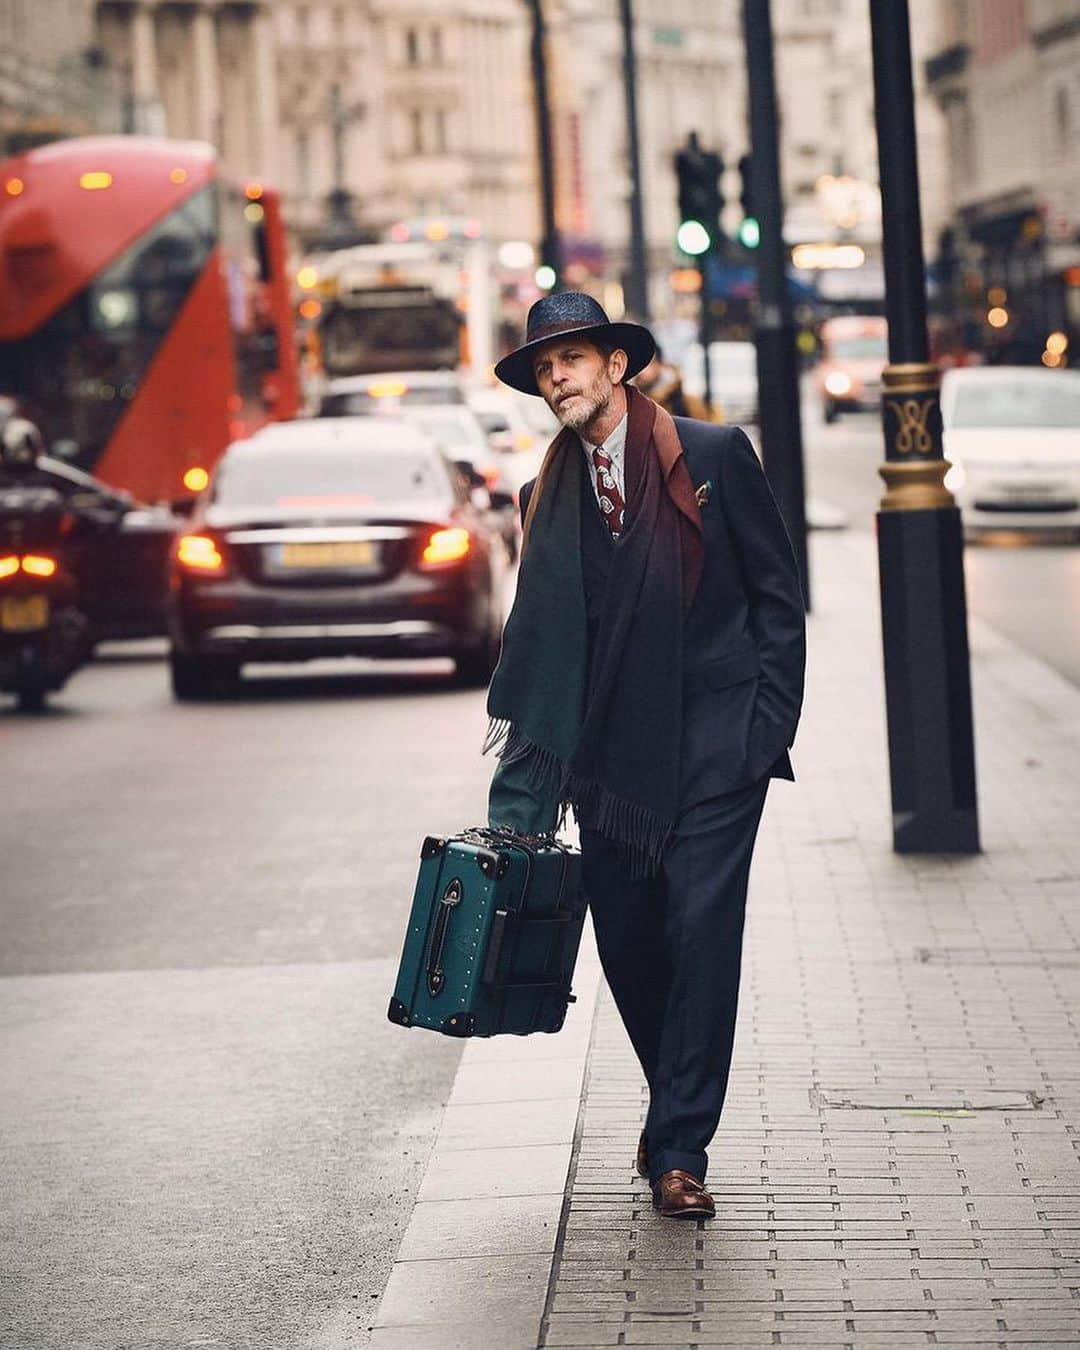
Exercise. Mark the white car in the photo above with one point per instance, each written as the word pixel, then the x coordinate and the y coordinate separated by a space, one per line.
pixel 733 378
pixel 1012 437
pixel 502 415
pixel 361 395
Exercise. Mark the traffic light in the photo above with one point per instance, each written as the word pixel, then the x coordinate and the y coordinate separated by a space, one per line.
pixel 701 200
pixel 749 228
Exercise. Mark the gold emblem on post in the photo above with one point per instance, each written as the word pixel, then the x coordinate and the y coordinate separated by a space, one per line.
pixel 913 419
pixel 912 434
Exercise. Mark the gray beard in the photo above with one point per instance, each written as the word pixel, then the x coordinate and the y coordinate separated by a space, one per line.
pixel 581 415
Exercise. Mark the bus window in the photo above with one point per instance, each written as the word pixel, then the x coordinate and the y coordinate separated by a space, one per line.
pixel 78 372
pixel 246 260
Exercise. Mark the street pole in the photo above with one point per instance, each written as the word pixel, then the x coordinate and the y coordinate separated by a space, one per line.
pixel 637 290
pixel 920 540
pixel 705 325
pixel 777 362
pixel 550 250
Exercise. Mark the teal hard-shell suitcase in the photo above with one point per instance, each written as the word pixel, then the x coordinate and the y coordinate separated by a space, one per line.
pixel 493 935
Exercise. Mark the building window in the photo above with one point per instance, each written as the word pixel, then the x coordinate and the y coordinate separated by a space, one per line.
pixel 440 131
pixel 836 109
pixel 303 165
pixel 412 47
pixel 416 131
pixel 1063 119
pixel 436 45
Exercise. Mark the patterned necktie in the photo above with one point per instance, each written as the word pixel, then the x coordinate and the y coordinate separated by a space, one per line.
pixel 611 499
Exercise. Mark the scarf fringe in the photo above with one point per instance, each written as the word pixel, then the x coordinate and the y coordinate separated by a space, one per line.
pixel 640 833
pixel 510 745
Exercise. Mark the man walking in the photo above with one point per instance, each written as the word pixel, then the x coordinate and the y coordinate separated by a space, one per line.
pixel 651 678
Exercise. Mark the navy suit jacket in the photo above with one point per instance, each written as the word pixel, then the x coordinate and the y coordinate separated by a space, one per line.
pixel 745 635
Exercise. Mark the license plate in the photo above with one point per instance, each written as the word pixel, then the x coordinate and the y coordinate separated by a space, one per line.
pixel 332 554
pixel 22 614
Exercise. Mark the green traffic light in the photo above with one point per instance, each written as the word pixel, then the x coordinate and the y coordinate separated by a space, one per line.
pixel 749 233
pixel 693 238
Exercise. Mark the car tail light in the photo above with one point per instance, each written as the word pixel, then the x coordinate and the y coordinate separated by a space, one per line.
pixel 38 565
pixel 8 566
pixel 446 546
pixel 199 553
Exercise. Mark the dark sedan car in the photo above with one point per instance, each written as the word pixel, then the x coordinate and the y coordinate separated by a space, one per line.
pixel 334 537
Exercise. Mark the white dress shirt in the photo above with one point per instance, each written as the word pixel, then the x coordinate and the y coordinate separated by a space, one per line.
pixel 615 448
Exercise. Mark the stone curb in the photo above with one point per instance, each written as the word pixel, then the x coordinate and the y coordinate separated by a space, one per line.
pixel 474 1272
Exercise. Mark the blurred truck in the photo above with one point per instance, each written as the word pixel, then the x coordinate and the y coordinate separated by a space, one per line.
pixel 422 300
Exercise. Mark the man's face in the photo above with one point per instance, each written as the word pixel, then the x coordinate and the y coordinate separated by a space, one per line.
pixel 576 379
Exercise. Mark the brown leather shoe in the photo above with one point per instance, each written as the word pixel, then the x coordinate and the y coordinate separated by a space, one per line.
pixel 642 1160
pixel 679 1195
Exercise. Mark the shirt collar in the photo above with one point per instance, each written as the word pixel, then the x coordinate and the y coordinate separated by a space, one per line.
pixel 615 445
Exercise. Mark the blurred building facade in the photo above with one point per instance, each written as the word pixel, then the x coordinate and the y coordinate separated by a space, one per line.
pixel 1007 78
pixel 54 80
pixel 690 78
pixel 198 71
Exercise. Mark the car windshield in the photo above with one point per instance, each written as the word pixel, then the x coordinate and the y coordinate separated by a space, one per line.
pixel 361 402
pixel 330 477
pixel 868 348
pixel 1003 402
pixel 448 428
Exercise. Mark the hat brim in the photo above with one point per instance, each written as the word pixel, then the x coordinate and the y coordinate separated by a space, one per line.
pixel 516 369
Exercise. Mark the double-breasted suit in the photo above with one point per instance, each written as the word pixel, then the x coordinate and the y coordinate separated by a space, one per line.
pixel 670 944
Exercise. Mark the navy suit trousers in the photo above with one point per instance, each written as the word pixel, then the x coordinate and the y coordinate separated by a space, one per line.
pixel 671 950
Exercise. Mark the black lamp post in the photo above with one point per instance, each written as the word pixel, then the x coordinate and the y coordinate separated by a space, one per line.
pixel 550 245
pixel 777 362
pixel 637 289
pixel 920 540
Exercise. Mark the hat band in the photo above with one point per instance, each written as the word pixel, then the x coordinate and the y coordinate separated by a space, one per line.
pixel 567 326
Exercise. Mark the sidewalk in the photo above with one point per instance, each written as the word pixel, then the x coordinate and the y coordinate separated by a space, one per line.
pixel 897 1163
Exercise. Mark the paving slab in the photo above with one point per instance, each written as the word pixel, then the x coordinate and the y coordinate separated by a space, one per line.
pixel 898 1158
pixel 898 1161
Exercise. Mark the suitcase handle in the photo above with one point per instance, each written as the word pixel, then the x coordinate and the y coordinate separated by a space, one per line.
pixel 451 898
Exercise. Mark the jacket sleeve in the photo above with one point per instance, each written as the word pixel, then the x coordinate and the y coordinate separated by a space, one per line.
pixel 523 498
pixel 513 799
pixel 771 579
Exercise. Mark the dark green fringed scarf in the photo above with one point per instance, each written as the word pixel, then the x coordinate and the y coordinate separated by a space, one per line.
pixel 611 751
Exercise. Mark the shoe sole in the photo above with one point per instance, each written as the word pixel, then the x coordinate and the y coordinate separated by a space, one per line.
pixel 691 1213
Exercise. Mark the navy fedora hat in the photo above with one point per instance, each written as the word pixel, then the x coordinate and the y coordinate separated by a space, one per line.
pixel 559 315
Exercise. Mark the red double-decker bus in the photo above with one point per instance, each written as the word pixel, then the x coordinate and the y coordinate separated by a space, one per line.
pixel 145 317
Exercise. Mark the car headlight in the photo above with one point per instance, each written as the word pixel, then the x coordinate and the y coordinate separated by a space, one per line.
pixel 838 383
pixel 955 478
